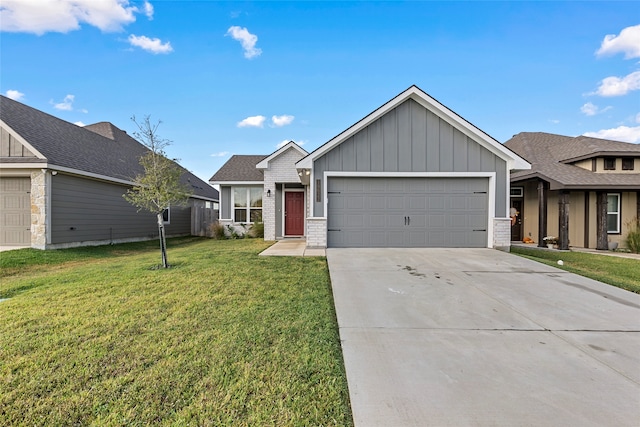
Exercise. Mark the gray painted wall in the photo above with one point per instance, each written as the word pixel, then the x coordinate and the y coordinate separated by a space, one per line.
pixel 411 138
pixel 96 210
pixel 225 202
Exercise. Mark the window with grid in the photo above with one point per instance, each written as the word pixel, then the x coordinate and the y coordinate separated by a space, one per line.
pixel 613 213
pixel 247 204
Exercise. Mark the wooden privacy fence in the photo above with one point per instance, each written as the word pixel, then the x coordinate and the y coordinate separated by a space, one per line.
pixel 201 220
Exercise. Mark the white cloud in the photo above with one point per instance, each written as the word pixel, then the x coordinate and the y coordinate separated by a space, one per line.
pixel 220 154
pixel 638 118
pixel 14 94
pixel 627 42
pixel 286 141
pixel 590 109
pixel 62 16
pixel 247 40
pixel 283 120
pixel 253 121
pixel 66 104
pixel 154 46
pixel 554 121
pixel 621 133
pixel 148 10
pixel 618 86
pixel 79 124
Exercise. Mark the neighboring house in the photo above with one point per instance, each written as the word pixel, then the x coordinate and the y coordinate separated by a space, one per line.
pixel 410 174
pixel 61 185
pixel 584 191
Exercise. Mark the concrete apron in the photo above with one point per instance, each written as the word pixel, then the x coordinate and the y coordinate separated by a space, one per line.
pixel 454 337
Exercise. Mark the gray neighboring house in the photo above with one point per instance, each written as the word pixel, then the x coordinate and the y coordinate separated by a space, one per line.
pixel 410 174
pixel 61 185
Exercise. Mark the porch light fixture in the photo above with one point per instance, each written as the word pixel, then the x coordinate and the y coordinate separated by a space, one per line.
pixel 269 193
pixel 308 172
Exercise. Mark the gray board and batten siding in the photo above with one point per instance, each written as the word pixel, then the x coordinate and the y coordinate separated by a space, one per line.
pixel 411 138
pixel 84 210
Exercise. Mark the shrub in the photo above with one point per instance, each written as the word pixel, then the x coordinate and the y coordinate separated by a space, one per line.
pixel 257 230
pixel 216 231
pixel 633 238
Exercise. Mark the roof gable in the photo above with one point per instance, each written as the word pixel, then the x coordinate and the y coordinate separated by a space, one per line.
pixel 513 160
pixel 264 164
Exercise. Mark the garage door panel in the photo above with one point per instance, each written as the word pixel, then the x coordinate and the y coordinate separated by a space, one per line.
pixel 408 212
pixel 15 211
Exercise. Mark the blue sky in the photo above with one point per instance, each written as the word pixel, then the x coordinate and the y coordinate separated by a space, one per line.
pixel 241 77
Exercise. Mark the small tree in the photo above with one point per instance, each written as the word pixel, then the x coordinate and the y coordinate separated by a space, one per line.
pixel 159 186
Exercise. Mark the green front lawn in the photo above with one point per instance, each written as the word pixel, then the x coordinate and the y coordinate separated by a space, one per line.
pixel 621 272
pixel 224 337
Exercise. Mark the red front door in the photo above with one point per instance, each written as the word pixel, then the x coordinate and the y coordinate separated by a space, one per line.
pixel 293 213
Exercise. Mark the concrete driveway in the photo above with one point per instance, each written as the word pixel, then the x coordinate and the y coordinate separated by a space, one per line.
pixel 478 337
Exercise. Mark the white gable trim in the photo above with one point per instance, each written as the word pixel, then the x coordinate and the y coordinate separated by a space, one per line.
pixel 513 160
pixel 21 140
pixel 264 164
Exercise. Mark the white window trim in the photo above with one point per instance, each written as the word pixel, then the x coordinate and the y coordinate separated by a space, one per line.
pixel 248 207
pixel 617 213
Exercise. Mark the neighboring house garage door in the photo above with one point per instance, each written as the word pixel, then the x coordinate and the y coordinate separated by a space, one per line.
pixel 407 212
pixel 15 212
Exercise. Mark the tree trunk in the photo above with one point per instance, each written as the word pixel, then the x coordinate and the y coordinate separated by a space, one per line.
pixel 163 242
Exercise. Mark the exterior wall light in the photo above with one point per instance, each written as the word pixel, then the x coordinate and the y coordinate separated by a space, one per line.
pixel 269 193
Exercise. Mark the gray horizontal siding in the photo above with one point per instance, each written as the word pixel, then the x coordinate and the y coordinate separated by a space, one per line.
pixel 411 138
pixel 87 210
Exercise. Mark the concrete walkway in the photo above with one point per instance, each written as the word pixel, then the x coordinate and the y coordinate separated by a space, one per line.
pixel 586 250
pixel 291 247
pixel 478 337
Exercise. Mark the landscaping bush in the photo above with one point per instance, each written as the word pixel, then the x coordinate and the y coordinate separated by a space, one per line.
pixel 633 238
pixel 216 231
pixel 257 230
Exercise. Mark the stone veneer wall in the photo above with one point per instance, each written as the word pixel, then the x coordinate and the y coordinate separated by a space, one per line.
pixel 316 233
pixel 39 202
pixel 502 234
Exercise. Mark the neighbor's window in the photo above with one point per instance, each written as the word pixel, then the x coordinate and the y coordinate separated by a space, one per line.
pixel 613 213
pixel 627 163
pixel 166 215
pixel 247 204
pixel 609 163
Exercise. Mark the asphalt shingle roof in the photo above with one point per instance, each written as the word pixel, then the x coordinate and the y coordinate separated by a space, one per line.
pixel 101 148
pixel 240 168
pixel 548 154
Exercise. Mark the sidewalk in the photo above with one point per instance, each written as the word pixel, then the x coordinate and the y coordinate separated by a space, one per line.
pixel 292 247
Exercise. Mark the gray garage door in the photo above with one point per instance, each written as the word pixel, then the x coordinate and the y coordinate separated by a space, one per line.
pixel 407 212
pixel 15 211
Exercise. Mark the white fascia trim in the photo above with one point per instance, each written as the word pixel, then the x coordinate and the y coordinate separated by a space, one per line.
pixel 230 183
pixel 21 140
pixel 264 164
pixel 491 199
pixel 513 160
pixel 4 166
